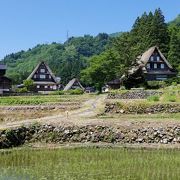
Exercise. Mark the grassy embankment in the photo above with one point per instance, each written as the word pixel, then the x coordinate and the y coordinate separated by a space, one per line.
pixel 170 96
pixel 90 163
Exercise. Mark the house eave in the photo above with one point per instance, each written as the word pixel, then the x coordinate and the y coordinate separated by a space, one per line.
pixel 161 72
pixel 44 83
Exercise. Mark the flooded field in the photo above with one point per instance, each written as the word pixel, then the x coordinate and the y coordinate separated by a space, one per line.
pixel 89 163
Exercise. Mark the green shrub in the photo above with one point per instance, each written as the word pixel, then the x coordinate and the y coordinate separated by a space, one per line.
pixel 76 91
pixel 58 93
pixel 29 84
pixel 22 90
pixel 153 98
pixel 156 84
pixel 173 80
pixel 122 88
pixel 174 83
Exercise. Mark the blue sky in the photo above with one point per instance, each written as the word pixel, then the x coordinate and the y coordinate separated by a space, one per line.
pixel 26 23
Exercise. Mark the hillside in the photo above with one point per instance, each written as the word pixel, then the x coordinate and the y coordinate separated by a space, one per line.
pixel 66 60
pixel 176 21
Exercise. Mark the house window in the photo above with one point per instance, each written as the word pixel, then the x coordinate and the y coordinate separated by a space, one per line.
pixel 42 76
pixel 38 86
pixel 152 58
pixel 158 58
pixel 49 76
pixel 45 87
pixel 155 66
pixel 42 70
pixel 35 76
pixel 148 66
pixel 162 66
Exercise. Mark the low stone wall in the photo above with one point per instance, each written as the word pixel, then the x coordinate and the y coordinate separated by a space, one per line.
pixel 134 94
pixel 90 133
pixel 141 108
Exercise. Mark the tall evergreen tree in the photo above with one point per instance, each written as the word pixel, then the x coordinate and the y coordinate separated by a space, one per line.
pixel 150 30
pixel 160 35
pixel 173 54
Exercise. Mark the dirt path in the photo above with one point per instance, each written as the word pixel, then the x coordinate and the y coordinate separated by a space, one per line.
pixel 89 109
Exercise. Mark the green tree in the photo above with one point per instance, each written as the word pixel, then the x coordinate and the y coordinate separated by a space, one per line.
pixel 102 69
pixel 173 54
pixel 150 30
pixel 160 31
pixel 29 84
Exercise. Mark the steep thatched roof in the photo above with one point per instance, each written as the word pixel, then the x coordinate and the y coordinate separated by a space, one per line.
pixel 143 60
pixel 71 83
pixel 49 70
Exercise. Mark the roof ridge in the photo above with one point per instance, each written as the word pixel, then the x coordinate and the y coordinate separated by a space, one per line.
pixel 48 68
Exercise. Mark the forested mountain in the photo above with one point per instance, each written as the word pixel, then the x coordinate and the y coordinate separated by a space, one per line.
pixel 116 34
pixel 96 60
pixel 176 21
pixel 66 60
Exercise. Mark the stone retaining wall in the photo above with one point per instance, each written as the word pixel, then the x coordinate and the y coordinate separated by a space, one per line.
pixel 135 94
pixel 141 108
pixel 90 133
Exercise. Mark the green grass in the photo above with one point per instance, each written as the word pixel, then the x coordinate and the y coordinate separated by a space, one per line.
pixel 143 117
pixel 37 100
pixel 169 95
pixel 90 164
pixel 153 98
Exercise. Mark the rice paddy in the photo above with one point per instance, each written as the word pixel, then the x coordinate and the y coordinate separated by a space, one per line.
pixel 90 164
pixel 41 99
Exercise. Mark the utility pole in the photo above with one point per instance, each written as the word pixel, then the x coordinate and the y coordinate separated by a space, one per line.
pixel 67 34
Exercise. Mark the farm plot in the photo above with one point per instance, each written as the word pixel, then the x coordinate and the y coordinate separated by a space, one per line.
pixel 30 107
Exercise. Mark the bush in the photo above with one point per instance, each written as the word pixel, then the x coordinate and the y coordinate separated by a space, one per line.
pixel 153 98
pixel 29 84
pixel 22 90
pixel 71 92
pixel 172 81
pixel 122 88
pixel 58 93
pixel 76 92
pixel 156 84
